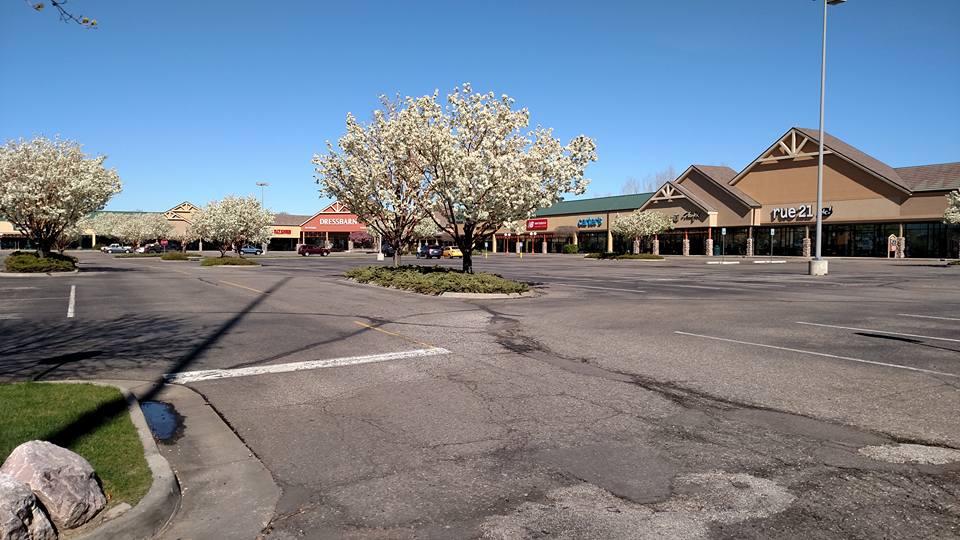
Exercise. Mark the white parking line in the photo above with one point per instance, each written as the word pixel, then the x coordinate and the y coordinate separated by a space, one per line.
pixel 878 331
pixel 801 351
pixel 73 301
pixel 8 316
pixel 17 288
pixel 212 374
pixel 593 287
pixel 928 317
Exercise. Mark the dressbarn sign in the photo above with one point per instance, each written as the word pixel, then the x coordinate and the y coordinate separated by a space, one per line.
pixel 334 218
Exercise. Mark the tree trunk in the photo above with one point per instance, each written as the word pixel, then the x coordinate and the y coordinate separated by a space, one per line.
pixel 44 247
pixel 467 260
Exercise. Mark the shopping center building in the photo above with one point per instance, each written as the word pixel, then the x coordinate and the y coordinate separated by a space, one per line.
pixel 771 204
pixel 766 208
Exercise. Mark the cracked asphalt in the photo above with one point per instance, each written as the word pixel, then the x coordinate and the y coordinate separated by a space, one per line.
pixel 628 399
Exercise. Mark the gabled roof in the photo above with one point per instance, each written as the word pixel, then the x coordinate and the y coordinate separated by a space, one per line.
pixel 936 177
pixel 833 145
pixel 721 176
pixel 596 205
pixel 283 218
pixel 859 157
pixel 336 207
pixel 673 190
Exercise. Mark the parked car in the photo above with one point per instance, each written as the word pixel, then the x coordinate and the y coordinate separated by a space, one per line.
pixel 307 249
pixel 450 252
pixel 116 248
pixel 429 252
pixel 150 248
pixel 387 250
pixel 251 250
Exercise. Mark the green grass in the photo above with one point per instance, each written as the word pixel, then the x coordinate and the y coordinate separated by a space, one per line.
pixel 434 280
pixel 29 262
pixel 227 261
pixel 40 410
pixel 621 256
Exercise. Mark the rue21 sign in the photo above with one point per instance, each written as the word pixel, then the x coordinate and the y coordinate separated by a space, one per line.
pixel 804 211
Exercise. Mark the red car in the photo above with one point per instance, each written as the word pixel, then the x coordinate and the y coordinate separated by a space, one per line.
pixel 306 249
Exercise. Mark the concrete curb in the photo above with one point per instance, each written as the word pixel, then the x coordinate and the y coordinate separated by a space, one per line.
pixel 158 506
pixel 480 296
pixel 39 274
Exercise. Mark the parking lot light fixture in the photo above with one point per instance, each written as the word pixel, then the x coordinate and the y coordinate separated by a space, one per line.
pixel 818 266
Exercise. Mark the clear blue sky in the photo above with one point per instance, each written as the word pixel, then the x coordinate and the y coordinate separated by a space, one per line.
pixel 196 100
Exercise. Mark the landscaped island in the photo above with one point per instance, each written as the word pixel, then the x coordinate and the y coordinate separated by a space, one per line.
pixel 435 280
pixel 29 262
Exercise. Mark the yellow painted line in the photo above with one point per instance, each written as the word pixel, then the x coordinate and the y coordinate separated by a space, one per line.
pixel 242 286
pixel 394 334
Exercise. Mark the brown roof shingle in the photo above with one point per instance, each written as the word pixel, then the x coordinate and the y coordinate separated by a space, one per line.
pixel 722 175
pixel 859 157
pixel 936 177
pixel 283 218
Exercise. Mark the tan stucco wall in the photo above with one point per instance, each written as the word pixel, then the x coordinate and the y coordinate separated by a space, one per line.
pixel 7 229
pixel 730 211
pixel 790 181
pixel 928 205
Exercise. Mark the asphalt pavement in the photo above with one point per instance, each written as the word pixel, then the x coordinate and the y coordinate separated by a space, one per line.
pixel 628 399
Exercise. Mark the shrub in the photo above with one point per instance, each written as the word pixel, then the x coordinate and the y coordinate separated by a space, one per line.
pixel 177 256
pixel 434 279
pixel 135 255
pixel 571 248
pixel 227 261
pixel 19 261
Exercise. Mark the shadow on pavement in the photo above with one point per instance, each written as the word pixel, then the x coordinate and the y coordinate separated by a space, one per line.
pixel 26 342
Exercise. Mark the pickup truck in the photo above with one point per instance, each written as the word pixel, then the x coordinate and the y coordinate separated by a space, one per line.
pixel 116 248
pixel 306 249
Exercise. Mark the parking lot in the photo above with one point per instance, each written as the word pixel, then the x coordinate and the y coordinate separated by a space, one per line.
pixel 626 399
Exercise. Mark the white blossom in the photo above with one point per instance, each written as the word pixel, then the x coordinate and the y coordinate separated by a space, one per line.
pixel 488 171
pixel 47 186
pixel 134 228
pixel 952 215
pixel 233 222
pixel 377 171
pixel 640 224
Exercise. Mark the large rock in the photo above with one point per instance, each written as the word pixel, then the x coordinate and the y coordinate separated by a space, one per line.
pixel 21 518
pixel 63 481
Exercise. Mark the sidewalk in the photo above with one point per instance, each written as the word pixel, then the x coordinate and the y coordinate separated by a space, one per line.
pixel 226 491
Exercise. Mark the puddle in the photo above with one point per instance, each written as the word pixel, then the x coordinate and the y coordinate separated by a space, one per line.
pixel 164 421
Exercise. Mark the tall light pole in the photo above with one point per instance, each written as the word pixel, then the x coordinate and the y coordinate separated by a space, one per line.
pixel 818 266
pixel 262 185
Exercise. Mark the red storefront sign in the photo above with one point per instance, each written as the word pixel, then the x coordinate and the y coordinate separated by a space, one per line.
pixel 282 231
pixel 537 224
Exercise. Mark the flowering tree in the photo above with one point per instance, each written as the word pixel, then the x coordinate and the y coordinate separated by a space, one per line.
pixel 134 228
pixel 47 186
pixel 952 215
pixel 486 170
pixel 426 229
pixel 378 173
pixel 187 236
pixel 233 222
pixel 639 225
pixel 361 238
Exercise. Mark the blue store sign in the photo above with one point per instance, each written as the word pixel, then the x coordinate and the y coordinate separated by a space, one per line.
pixel 590 222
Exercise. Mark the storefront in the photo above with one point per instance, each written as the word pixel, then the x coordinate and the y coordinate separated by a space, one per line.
pixel 331 227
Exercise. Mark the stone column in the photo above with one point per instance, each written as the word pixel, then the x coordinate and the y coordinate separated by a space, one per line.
pixel 708 247
pixel 901 244
pixel 609 239
pixel 636 246
pixel 806 242
pixel 749 241
pixel 576 238
pixel 543 246
pixel 349 245
pixel 518 245
pixel 686 247
pixel 93 240
pixel 656 245
pixel 494 242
